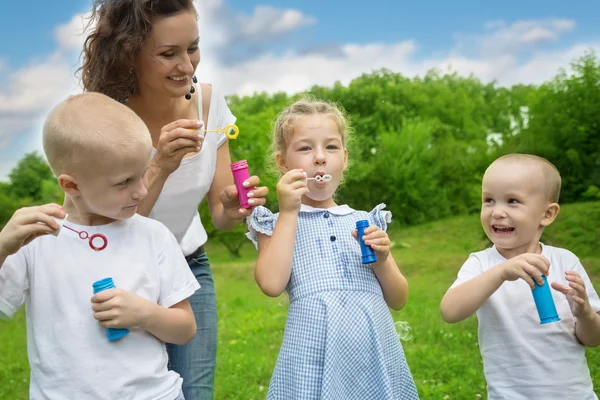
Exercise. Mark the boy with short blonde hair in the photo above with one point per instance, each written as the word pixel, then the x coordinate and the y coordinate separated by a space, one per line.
pixel 99 150
pixel 524 360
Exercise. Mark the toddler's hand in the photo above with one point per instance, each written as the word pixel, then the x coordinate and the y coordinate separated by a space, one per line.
pixel 528 266
pixel 378 240
pixel 290 189
pixel 24 226
pixel 576 294
pixel 118 308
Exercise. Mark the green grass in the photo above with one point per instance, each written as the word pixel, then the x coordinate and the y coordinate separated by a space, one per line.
pixel 444 358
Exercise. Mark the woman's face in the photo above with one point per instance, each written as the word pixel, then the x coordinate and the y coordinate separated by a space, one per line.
pixel 170 55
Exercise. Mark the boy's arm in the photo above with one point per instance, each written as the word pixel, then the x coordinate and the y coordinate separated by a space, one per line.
pixel 464 300
pixel 393 284
pixel 584 304
pixel 175 324
pixel 118 308
pixel 25 225
pixel 276 255
pixel 587 329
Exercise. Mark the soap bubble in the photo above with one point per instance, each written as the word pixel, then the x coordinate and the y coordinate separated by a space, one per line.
pixel 403 330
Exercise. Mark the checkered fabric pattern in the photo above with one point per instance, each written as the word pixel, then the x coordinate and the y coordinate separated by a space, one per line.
pixel 340 342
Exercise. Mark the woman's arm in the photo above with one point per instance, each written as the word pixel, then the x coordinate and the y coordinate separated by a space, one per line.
pixel 176 140
pixel 155 181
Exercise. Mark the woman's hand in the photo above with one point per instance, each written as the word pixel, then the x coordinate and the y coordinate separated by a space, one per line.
pixel 176 140
pixel 231 202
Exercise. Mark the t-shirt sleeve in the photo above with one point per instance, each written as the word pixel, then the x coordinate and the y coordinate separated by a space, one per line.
pixel 381 217
pixel 177 282
pixel 262 220
pixel 589 288
pixel 14 283
pixel 224 115
pixel 470 269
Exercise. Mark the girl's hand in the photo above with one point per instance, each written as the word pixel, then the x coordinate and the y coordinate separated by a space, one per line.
pixel 176 140
pixel 378 240
pixel 231 201
pixel 28 223
pixel 290 189
pixel 576 294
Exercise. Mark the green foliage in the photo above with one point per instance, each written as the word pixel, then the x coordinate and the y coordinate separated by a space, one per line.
pixel 592 193
pixel 27 177
pixel 564 127
pixel 31 182
pixel 51 192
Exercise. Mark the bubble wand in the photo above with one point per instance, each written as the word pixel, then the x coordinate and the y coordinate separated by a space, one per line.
pixel 227 131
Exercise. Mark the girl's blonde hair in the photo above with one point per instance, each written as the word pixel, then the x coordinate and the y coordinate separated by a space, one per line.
pixel 284 124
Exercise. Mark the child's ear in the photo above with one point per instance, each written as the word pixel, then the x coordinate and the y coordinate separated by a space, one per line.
pixel 550 214
pixel 280 161
pixel 68 185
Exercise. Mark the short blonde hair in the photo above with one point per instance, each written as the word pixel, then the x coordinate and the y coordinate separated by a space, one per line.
pixel 552 179
pixel 90 129
pixel 284 124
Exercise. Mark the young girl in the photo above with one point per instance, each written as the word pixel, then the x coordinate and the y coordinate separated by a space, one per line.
pixel 340 341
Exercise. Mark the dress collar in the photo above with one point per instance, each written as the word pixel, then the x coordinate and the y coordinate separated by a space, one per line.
pixel 337 210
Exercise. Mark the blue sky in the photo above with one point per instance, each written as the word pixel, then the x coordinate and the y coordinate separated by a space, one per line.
pixel 289 45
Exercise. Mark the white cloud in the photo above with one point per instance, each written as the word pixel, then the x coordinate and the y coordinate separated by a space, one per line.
pixel 270 22
pixel 223 30
pixel 499 56
pixel 508 53
pixel 294 72
pixel 70 36
pixel 31 91
pixel 522 35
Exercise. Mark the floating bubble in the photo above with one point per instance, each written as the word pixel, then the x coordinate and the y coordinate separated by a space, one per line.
pixel 403 330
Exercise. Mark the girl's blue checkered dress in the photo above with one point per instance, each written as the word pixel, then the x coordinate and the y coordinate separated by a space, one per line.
pixel 340 342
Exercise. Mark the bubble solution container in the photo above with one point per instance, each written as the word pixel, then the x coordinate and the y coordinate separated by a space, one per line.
pixel 104 284
pixel 240 174
pixel 544 303
pixel 368 255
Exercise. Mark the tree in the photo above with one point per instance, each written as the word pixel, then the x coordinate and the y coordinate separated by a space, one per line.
pixel 27 177
pixel 564 127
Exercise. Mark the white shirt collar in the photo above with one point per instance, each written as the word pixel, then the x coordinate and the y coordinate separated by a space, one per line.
pixel 337 210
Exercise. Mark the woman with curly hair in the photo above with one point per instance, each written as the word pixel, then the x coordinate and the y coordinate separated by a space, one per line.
pixel 144 53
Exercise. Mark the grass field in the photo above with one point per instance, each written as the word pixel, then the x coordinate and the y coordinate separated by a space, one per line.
pixel 444 359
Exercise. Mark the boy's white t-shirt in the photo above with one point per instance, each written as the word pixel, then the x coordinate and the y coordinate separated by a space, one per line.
pixel 523 359
pixel 186 187
pixel 69 354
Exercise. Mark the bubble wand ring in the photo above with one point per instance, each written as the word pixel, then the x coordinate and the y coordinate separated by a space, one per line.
pixel 320 178
pixel 226 131
pixel 84 235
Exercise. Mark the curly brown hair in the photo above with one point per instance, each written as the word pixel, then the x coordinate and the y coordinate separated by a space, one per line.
pixel 110 50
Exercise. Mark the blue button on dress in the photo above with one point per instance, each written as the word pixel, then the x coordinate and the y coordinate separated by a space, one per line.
pixel 340 342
